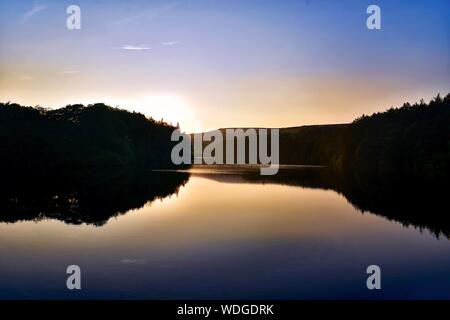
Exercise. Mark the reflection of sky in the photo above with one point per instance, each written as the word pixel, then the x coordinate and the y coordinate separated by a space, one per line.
pixel 226 63
pixel 239 241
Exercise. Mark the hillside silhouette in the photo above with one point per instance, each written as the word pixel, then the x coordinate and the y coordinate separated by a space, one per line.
pixel 81 136
pixel 413 140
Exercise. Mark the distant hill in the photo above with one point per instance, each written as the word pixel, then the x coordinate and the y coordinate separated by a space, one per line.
pixel 306 145
pixel 310 145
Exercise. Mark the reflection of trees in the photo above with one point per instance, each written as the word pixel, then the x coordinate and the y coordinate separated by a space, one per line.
pixel 93 197
pixel 422 204
pixel 86 196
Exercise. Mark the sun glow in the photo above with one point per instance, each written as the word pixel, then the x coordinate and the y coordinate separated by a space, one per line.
pixel 171 108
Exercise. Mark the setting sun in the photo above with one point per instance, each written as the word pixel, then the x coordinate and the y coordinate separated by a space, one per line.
pixel 170 107
pixel 167 106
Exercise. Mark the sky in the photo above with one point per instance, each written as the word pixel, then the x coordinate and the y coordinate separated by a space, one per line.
pixel 211 64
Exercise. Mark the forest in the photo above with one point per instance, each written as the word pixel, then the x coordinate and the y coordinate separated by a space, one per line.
pixel 81 136
pixel 412 140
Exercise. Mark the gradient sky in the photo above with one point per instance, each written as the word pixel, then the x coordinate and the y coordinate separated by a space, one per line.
pixel 222 63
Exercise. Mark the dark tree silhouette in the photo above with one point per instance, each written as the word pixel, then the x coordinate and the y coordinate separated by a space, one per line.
pixel 84 195
pixel 95 135
pixel 412 141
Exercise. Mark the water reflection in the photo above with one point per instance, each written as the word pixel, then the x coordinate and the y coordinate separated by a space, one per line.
pixel 211 233
pixel 88 196
pixel 94 196
pixel 422 204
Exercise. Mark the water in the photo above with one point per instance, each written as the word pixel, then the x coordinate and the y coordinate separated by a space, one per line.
pixel 213 234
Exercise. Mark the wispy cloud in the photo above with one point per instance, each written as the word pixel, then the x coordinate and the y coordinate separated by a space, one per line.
pixel 68 72
pixel 25 77
pixel 147 14
pixel 170 43
pixel 129 47
pixel 27 15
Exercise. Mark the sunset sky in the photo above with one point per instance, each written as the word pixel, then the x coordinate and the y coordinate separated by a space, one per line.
pixel 222 63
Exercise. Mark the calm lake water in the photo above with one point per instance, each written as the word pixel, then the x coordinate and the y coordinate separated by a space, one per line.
pixel 221 235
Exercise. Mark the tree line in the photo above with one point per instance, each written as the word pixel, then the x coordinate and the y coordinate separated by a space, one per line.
pixel 77 135
pixel 412 140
